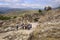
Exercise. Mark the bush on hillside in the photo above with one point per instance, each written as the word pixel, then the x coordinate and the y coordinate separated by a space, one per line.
pixel 15 17
pixel 4 18
pixel 39 10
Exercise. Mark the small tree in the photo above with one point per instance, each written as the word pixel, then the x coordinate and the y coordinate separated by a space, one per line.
pixel 48 8
pixel 39 10
pixel 15 17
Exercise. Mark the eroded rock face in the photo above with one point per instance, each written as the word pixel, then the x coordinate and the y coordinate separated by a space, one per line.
pixel 1 23
pixel 17 37
pixel 7 29
pixel 16 27
pixel 18 34
pixel 47 32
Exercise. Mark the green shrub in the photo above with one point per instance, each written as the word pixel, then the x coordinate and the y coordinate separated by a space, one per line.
pixel 4 18
pixel 15 17
pixel 39 10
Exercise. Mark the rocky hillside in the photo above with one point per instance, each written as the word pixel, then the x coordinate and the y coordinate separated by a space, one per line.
pixel 32 26
pixel 49 28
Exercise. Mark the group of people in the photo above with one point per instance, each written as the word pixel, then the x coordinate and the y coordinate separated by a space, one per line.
pixel 24 26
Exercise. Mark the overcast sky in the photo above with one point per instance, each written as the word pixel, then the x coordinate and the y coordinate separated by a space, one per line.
pixel 29 3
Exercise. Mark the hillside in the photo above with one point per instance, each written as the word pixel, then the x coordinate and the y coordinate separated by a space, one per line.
pixel 31 25
pixel 49 27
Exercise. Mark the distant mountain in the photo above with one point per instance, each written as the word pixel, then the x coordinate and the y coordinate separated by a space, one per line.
pixel 7 9
pixel 3 9
pixel 57 7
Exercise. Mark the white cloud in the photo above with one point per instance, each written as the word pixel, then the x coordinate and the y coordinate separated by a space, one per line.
pixel 4 5
pixel 17 4
pixel 35 5
pixel 9 0
pixel 30 5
